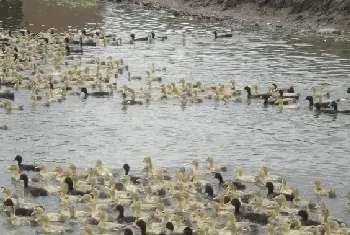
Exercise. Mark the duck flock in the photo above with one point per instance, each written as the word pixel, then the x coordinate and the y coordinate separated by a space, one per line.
pixel 194 200
pixel 51 66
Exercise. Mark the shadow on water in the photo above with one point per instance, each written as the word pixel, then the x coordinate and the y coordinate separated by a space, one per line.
pixel 11 14
pixel 40 15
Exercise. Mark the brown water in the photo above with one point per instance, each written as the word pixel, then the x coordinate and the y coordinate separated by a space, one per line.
pixel 296 143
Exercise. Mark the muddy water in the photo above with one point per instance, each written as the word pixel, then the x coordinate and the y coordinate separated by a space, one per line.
pixel 296 143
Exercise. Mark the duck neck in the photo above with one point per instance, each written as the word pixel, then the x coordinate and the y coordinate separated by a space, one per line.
pixel 25 180
pixel 335 106
pixel 121 214
pixel 270 190
pixel 249 92
pixel 237 209
pixel 70 186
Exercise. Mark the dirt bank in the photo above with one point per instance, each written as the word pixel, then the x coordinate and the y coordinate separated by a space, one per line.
pixel 321 16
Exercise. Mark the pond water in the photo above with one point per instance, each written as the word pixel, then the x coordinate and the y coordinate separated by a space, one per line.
pixel 295 143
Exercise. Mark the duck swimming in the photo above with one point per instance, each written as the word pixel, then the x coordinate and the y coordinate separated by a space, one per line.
pixel 71 190
pixel 134 179
pixel 324 104
pixel 238 185
pixel 271 194
pixel 145 39
pixel 258 218
pixel 96 93
pixel 34 191
pixel 227 35
pixel 24 167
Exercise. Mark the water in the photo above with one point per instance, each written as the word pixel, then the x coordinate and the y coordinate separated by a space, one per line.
pixel 295 143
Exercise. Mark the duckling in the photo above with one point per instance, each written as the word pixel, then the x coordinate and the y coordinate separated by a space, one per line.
pixel 214 167
pixel 49 188
pixel 49 228
pixel 44 171
pixel 77 214
pixel 103 225
pixel 246 178
pixel 23 167
pixel 89 231
pixel 266 176
pixel 34 191
pixel 54 217
pixel 101 170
pixel 319 191
pixel 15 171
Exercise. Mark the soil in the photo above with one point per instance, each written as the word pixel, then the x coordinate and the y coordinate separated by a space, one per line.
pixel 329 17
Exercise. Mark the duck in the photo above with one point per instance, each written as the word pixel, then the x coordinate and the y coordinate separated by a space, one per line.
pixel 246 178
pixel 4 127
pixel 34 191
pixel 250 95
pixel 24 167
pixel 162 38
pixel 121 218
pixel 324 104
pixel 71 190
pixel 49 228
pixel 265 175
pixel 19 211
pixel 258 218
pixel 134 179
pixel 53 217
pixel 227 35
pixel 103 225
pixel 44 173
pixel 330 111
pixel 16 221
pixel 288 103
pixel 96 93
pixel 144 39
pixel 271 194
pixel 238 185
pixel 304 219
pixel 15 172
pixel 320 191
pixel 73 213
pixel 89 231
pixel 213 167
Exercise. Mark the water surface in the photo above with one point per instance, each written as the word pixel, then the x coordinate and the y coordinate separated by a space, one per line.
pixel 296 143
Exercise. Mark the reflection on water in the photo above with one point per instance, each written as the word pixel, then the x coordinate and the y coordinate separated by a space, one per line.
pixel 11 14
pixel 37 15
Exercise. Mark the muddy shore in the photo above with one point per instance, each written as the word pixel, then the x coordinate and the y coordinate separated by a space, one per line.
pixel 290 18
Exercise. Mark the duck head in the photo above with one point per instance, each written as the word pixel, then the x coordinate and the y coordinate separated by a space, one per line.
pixel 215 33
pixel 19 159
pixel 274 86
pixel 270 187
pixel 69 182
pixel 84 90
pixel 128 231
pixel 170 226
pixel 310 99
pixel 236 203
pixel 187 231
pixel 218 176
pixel 303 214
pixel 209 190
pixel 120 209
pixel 24 178
pixel 126 168
pixel 8 202
pixel 132 36
pixel 142 225
pixel 348 91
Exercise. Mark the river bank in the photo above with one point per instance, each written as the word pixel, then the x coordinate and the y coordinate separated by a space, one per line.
pixel 296 18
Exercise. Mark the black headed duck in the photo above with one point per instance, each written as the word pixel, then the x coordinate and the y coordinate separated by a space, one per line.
pixel 34 191
pixel 271 194
pixel 251 216
pixel 26 167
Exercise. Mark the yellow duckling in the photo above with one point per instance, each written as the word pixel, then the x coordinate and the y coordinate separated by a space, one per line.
pixel 54 217
pixel 49 228
pixel 101 170
pixel 49 188
pixel 298 201
pixel 103 225
pixel 270 229
pixel 44 172
pixel 8 106
pixel 266 176
pixel 90 231
pixel 287 103
pixel 320 191
pixel 15 172
pixel 246 178
pixel 214 167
